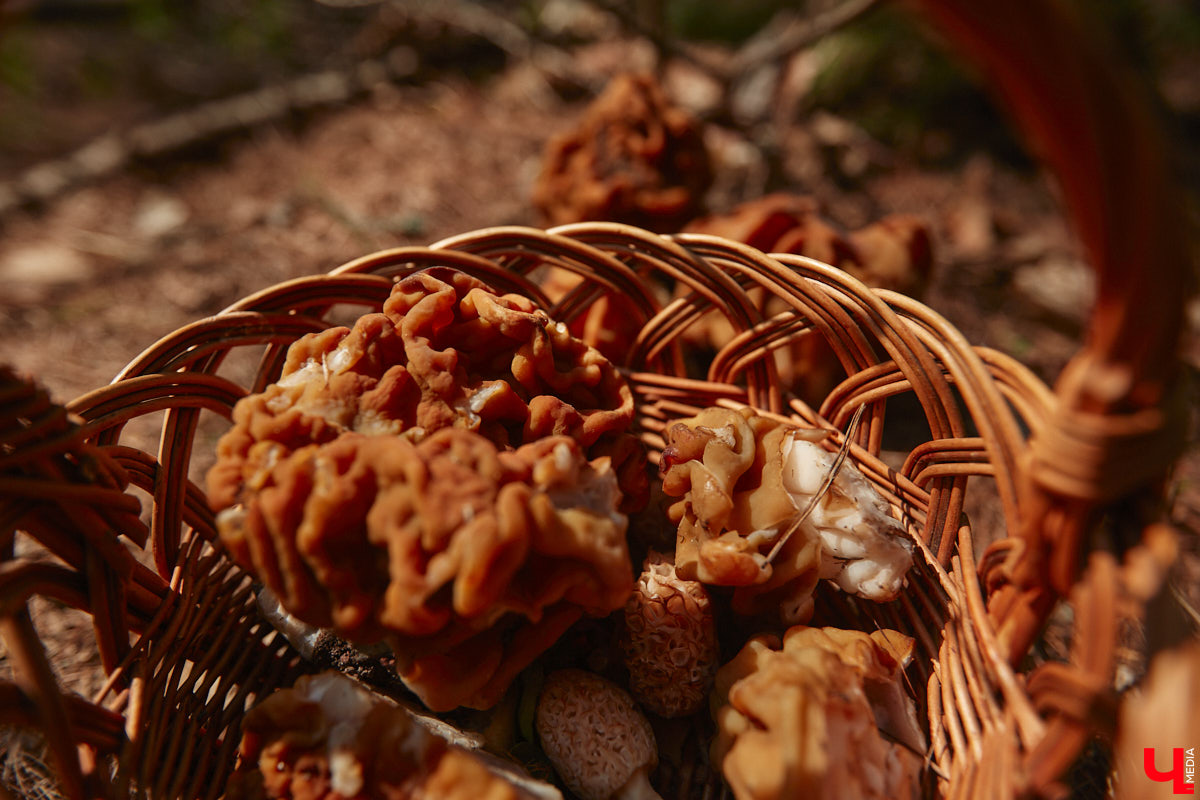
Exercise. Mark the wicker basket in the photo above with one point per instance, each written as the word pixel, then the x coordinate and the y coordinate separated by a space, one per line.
pixel 176 626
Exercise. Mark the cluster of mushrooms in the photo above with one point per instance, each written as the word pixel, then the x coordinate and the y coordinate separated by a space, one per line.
pixel 452 486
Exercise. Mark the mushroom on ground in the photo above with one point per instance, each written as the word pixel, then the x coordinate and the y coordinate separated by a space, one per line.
pixel 670 640
pixel 635 157
pixel 894 253
pixel 598 741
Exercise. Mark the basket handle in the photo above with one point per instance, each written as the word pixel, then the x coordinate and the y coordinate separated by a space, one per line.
pixel 1089 121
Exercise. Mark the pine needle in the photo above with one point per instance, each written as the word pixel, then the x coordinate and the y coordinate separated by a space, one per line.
pixel 826 485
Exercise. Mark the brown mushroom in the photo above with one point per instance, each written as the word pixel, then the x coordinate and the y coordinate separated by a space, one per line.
pixel 669 641
pixel 469 561
pixel 634 158
pixel 744 481
pixel 894 253
pixel 450 476
pixel 725 467
pixel 593 733
pixel 327 738
pixel 446 351
pixel 802 717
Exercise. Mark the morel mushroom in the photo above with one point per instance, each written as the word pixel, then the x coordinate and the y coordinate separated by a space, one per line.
pixel 634 158
pixel 670 640
pixel 599 743
pixel 802 717
pixel 744 481
pixel 374 489
pixel 328 738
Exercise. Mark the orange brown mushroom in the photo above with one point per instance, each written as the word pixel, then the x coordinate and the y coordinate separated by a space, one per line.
pixel 326 738
pixel 895 252
pixel 802 717
pixel 634 158
pixel 742 480
pixel 440 477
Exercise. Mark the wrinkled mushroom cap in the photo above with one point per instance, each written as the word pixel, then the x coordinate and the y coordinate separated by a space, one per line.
pixel 634 157
pixel 802 717
pixel 743 480
pixel 725 466
pixel 594 734
pixel 450 477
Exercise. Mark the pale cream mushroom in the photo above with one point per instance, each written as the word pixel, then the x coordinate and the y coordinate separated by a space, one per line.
pixel 598 741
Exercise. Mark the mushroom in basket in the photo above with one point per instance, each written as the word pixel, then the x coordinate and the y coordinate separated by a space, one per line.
pixel 753 513
pixel 669 640
pixel 599 742
pixel 806 716
pixel 450 477
pixel 329 738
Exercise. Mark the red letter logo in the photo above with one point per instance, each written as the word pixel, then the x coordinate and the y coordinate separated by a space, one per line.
pixel 1177 775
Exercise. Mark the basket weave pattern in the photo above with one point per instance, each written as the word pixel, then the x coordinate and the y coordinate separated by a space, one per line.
pixel 199 654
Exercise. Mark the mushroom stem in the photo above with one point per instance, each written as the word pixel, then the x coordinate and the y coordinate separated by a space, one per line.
pixel 637 788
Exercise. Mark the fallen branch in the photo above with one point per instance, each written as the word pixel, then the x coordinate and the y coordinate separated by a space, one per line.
pixel 788 33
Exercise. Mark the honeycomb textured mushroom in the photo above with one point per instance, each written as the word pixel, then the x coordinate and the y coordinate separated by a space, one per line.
pixel 593 733
pixel 669 641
